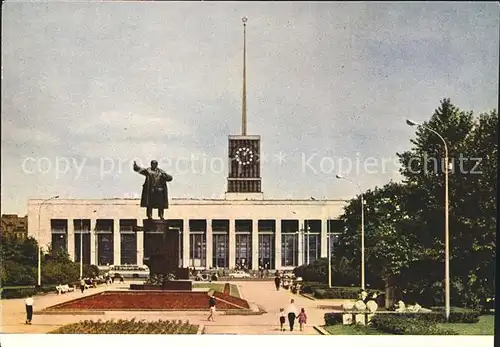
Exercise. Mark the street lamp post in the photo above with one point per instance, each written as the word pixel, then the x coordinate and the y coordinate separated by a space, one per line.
pixel 446 219
pixel 81 248
pixel 39 245
pixel 338 176
pixel 307 229
pixel 329 253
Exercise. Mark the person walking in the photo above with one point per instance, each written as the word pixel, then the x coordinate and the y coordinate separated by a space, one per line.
pixel 302 318
pixel 292 313
pixel 282 319
pixel 277 281
pixel 212 304
pixel 82 285
pixel 29 309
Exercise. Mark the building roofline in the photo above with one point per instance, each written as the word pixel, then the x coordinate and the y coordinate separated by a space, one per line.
pixel 192 199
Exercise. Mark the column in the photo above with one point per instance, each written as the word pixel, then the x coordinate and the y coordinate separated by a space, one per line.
pixel 255 244
pixel 117 245
pixel 71 239
pixel 93 242
pixel 140 247
pixel 277 252
pixel 324 238
pixel 300 243
pixel 210 243
pixel 232 243
pixel 185 242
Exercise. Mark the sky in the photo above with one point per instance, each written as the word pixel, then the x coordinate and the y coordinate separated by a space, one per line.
pixel 87 88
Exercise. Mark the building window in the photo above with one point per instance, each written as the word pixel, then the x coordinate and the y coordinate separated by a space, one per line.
pixel 197 247
pixel 104 232
pixel 128 242
pixel 312 245
pixel 267 249
pixel 312 240
pixel 82 239
pixel 220 243
pixel 289 242
pixel 59 232
pixel 197 243
pixel 221 250
pixel 289 249
pixel 243 244
pixel 177 226
pixel 334 230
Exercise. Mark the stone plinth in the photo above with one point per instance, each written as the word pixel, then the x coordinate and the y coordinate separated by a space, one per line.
pixel 347 319
pixel 360 318
pixel 166 259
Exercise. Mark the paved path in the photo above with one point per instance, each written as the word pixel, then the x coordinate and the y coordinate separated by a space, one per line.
pixel 263 294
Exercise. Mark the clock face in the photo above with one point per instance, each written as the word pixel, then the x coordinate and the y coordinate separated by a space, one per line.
pixel 244 156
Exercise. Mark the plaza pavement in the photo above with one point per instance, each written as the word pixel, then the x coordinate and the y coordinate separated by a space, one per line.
pixel 263 294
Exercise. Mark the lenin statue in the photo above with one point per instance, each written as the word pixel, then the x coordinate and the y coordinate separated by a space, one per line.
pixel 154 189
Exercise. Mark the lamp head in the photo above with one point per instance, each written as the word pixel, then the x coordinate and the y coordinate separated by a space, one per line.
pixel 411 123
pixel 339 176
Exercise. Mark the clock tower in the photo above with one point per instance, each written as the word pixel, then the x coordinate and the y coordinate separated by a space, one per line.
pixel 244 150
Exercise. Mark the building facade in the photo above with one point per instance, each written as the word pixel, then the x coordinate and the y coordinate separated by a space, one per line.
pixel 14 225
pixel 235 232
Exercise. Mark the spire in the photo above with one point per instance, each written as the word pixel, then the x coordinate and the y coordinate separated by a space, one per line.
pixel 244 105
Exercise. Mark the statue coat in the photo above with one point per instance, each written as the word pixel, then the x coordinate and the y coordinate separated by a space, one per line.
pixel 147 187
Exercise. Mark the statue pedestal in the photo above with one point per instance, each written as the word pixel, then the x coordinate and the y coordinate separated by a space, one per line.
pixel 165 256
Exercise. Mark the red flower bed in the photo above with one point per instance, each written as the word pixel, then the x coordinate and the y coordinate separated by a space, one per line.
pixel 231 299
pixel 141 300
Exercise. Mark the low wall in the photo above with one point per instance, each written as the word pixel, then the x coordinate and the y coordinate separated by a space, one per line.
pixel 169 285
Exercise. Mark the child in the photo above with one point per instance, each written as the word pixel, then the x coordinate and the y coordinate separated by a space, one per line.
pixel 302 318
pixel 282 319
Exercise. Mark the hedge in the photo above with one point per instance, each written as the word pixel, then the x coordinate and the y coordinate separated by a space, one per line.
pixel 333 318
pixel 22 292
pixel 457 315
pixel 336 293
pixel 398 325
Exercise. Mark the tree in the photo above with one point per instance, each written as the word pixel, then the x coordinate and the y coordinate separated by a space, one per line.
pixel 404 223
pixel 472 195
pixel 389 236
pixel 19 260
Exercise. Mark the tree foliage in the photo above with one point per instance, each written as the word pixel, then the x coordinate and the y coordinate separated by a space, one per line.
pixel 404 222
pixel 20 262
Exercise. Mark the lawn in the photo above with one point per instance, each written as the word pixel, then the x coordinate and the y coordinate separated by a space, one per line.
pixel 340 329
pixel 219 287
pixel 485 326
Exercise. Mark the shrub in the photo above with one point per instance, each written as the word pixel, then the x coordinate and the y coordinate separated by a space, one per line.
pixel 227 289
pixel 457 315
pixel 22 292
pixel 336 293
pixel 400 325
pixel 17 293
pixel 333 318
pixel 128 327
pixel 310 287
